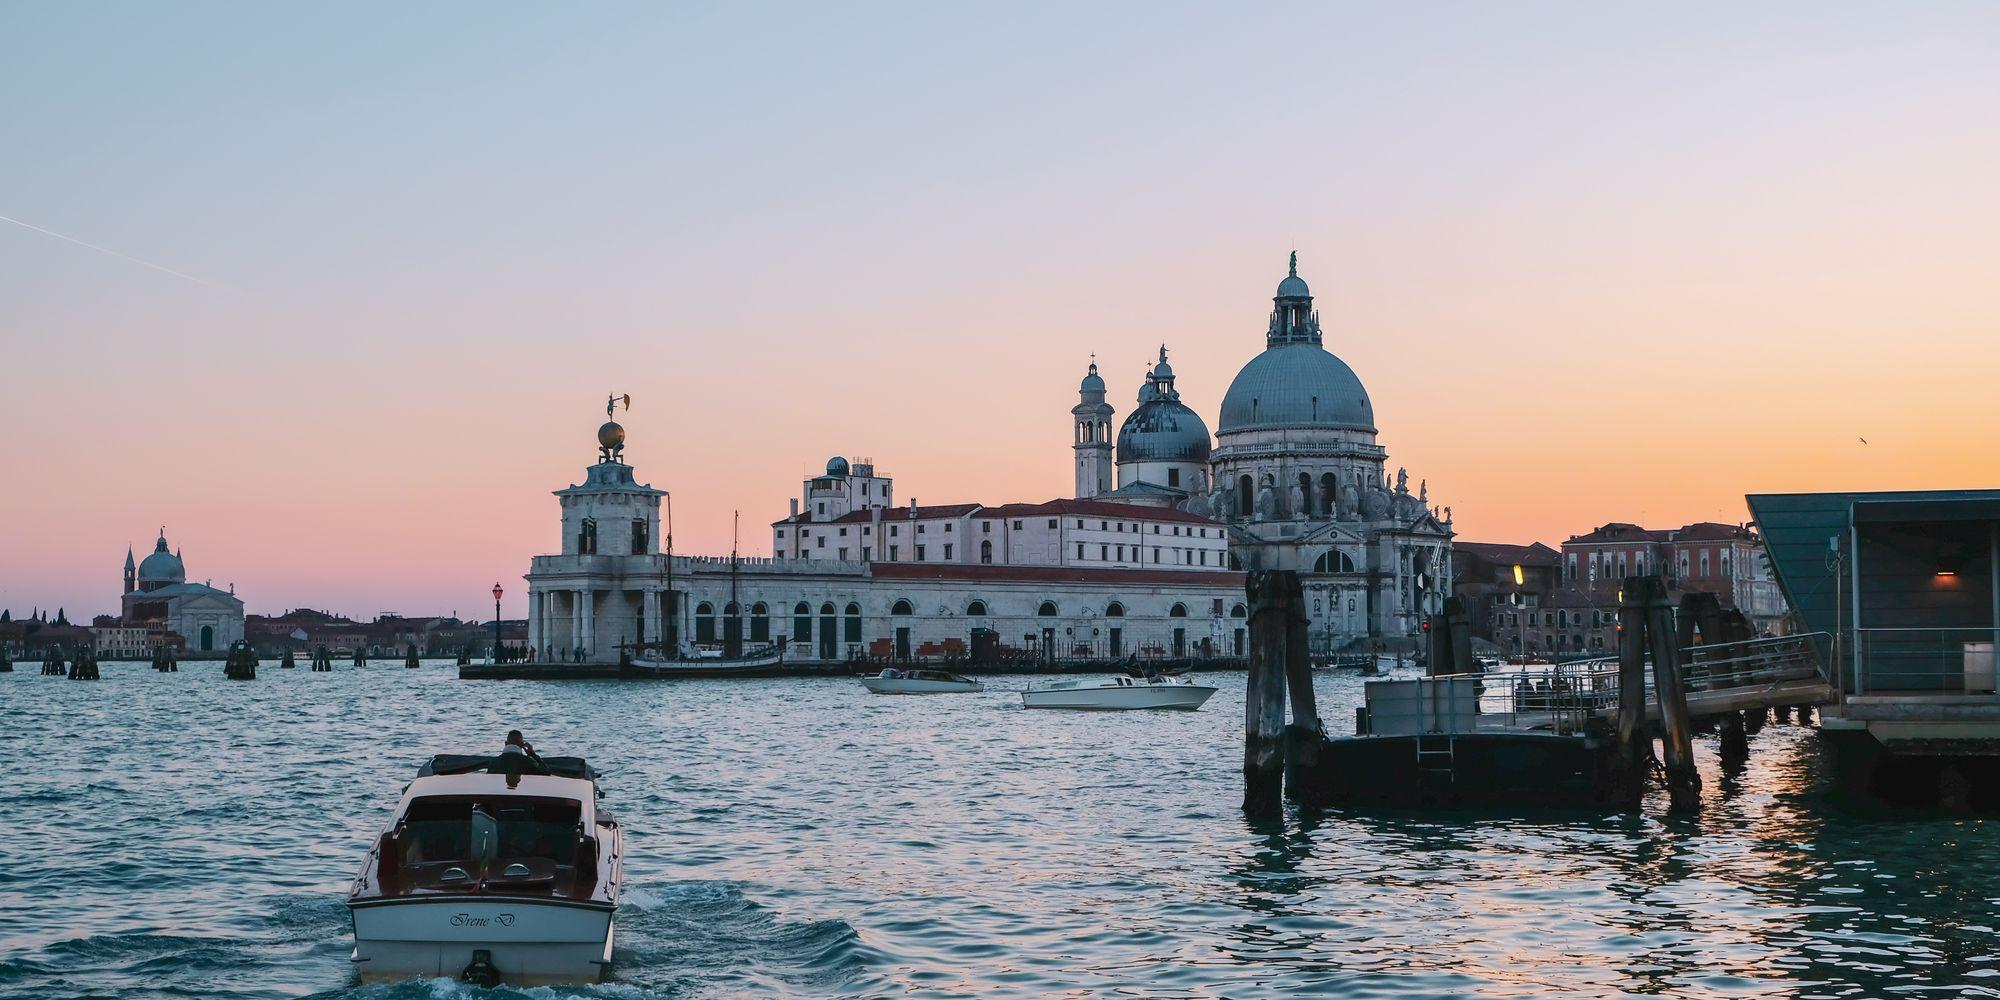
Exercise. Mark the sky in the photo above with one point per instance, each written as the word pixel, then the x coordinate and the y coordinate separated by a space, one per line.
pixel 354 280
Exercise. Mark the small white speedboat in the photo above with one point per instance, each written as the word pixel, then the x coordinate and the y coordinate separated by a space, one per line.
pixel 1119 694
pixel 491 873
pixel 894 681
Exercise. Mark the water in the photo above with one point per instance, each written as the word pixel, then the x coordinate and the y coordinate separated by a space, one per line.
pixel 179 835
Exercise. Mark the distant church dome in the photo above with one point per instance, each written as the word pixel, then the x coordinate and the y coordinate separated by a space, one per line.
pixel 836 466
pixel 1092 382
pixel 1296 382
pixel 161 566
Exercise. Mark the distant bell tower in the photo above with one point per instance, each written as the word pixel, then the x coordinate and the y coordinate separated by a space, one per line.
pixel 131 572
pixel 1093 437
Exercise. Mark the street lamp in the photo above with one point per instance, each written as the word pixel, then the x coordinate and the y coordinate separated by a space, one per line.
pixel 496 622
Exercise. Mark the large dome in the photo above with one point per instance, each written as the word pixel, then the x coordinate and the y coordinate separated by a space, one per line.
pixel 1163 429
pixel 1296 385
pixel 162 566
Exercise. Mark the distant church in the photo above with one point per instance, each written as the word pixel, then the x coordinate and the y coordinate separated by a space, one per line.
pixel 157 593
pixel 1150 566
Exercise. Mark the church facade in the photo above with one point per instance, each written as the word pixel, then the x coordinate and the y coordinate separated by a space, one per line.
pixel 158 595
pixel 1145 559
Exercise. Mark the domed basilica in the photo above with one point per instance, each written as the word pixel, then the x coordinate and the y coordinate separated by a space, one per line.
pixel 1295 473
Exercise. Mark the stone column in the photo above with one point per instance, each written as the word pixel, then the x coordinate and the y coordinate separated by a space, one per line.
pixel 590 625
pixel 575 639
pixel 655 625
pixel 534 618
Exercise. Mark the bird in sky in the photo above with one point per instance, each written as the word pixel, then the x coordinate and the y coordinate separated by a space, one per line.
pixel 1864 440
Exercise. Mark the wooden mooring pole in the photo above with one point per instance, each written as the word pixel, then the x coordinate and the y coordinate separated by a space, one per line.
pixel 1683 781
pixel 1634 743
pixel 1276 610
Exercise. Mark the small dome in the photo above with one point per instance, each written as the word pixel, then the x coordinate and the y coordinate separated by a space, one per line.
pixel 1162 429
pixel 1296 385
pixel 836 466
pixel 611 436
pixel 1091 382
pixel 1293 287
pixel 1149 390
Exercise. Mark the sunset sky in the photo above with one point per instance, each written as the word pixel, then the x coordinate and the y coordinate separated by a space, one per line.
pixel 360 277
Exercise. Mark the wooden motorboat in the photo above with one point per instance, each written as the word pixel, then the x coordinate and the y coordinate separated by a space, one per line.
pixel 1119 694
pixel 920 681
pixel 492 870
pixel 709 661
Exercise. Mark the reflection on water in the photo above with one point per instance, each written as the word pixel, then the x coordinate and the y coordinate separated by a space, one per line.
pixel 173 835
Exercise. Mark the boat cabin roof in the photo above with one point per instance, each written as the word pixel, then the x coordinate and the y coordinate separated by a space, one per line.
pixel 497 786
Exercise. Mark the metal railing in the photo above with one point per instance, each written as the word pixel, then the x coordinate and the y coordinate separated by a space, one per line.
pixel 1563 697
pixel 1957 661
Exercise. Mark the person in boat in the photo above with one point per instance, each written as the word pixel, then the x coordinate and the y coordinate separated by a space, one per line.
pixel 518 756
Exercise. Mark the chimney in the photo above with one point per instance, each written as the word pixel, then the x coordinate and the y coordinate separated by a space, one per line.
pixel 795 508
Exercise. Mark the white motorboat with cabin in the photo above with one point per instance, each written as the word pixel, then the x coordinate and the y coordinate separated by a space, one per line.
pixel 1119 694
pixel 920 681
pixel 492 870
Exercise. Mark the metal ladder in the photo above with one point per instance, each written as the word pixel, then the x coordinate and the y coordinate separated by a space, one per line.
pixel 1437 761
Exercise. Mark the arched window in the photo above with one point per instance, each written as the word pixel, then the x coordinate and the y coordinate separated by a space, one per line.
pixel 976 609
pixel 802 622
pixel 853 623
pixel 760 622
pixel 1177 611
pixel 704 622
pixel 1235 563
pixel 901 607
pixel 1305 495
pixel 1245 495
pixel 586 537
pixel 1333 561
pixel 1047 610
pixel 1114 610
pixel 1239 611
pixel 1329 492
pixel 986 552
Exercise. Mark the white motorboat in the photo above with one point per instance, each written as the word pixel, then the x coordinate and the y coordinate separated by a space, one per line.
pixel 491 871
pixel 894 681
pixel 1119 694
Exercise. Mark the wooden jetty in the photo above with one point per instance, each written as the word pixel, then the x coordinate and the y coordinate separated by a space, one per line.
pixel 1575 734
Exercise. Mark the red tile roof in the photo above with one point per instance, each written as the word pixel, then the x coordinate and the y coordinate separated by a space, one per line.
pixel 1095 508
pixel 933 513
pixel 1618 531
pixel 1708 531
pixel 1052 574
pixel 1508 553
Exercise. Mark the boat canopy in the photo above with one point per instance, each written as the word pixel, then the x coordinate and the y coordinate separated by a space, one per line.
pixel 458 763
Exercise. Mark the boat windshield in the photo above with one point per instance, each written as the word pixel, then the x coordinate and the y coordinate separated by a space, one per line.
pixel 456 844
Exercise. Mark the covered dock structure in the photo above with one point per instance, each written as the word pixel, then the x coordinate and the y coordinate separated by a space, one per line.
pixel 1906 588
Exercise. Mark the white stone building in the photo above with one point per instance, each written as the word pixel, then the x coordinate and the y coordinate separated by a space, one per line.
pixel 1293 479
pixel 157 593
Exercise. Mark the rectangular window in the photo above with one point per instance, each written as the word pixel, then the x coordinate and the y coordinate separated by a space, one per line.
pixel 1173 477
pixel 1079 550
pixel 893 551
pixel 1121 553
pixel 843 532
pixel 1105 526
pixel 947 552
pixel 867 531
pixel 947 527
pixel 1121 526
pixel 920 529
pixel 895 529
pixel 986 527
pixel 1156 529
pixel 1079 523
pixel 1017 525
pixel 1104 552
pixel 920 553
pixel 865 554
pixel 843 553
pixel 821 541
pixel 1204 557
pixel 1156 555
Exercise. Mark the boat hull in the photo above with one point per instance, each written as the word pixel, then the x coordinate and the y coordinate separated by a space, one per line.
pixel 1161 697
pixel 904 685
pixel 531 942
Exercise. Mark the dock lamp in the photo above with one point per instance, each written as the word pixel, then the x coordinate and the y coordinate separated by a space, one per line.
pixel 496 621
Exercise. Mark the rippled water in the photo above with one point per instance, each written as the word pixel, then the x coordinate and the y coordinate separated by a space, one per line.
pixel 178 835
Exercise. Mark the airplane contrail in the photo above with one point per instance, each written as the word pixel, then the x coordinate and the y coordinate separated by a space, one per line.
pixel 121 256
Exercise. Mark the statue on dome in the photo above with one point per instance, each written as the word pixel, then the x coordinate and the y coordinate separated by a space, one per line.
pixel 1424 490
pixel 1299 505
pixel 1402 480
pixel 1267 501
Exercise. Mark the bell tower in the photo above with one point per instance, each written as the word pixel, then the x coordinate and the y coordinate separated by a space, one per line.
pixel 1093 437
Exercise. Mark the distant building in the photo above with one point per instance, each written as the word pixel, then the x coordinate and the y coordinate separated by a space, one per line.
pixel 157 594
pixel 1727 560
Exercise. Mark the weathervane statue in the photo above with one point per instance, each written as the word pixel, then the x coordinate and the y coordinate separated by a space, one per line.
pixel 611 437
